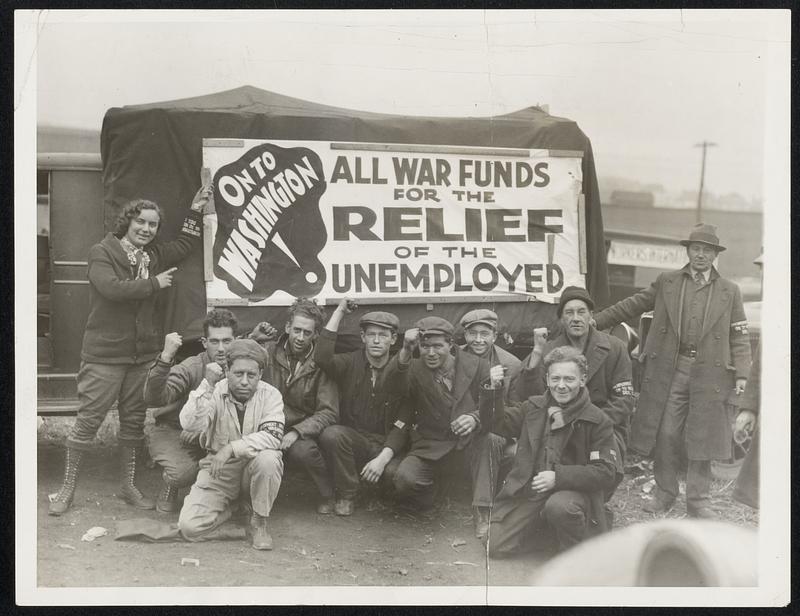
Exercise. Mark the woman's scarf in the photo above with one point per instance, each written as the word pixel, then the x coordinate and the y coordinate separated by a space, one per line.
pixel 138 258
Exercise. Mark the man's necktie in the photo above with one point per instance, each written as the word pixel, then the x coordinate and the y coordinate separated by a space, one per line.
pixel 698 279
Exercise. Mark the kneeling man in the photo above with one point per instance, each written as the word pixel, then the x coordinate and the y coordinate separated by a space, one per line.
pixel 564 462
pixel 241 420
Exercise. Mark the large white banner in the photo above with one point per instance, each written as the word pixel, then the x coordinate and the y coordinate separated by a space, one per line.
pixel 390 223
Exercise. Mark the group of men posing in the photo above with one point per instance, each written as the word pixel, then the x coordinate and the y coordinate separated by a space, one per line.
pixel 556 422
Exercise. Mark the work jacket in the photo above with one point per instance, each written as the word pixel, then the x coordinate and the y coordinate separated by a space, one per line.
pixel 372 410
pixel 210 411
pixel 310 396
pixel 608 380
pixel 584 461
pixel 431 436
pixel 168 385
pixel 511 363
pixel 123 327
pixel 723 353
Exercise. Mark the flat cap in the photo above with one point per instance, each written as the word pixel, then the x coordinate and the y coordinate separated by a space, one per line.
pixel 381 319
pixel 570 293
pixel 481 315
pixel 246 348
pixel 434 326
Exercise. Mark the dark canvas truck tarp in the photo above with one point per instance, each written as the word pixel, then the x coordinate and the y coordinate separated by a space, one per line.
pixel 154 151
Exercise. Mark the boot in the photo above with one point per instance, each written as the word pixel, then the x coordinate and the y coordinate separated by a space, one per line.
pixel 167 501
pixel 128 491
pixel 262 540
pixel 63 499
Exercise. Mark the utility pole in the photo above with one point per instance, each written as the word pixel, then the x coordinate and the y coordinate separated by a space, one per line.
pixel 705 145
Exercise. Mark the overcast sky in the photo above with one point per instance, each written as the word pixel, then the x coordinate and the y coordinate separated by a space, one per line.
pixel 645 86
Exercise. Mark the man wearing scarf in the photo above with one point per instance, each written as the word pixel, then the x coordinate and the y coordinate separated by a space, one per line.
pixel 608 365
pixel 564 462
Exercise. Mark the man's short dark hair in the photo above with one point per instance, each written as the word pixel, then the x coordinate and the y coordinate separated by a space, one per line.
pixel 220 317
pixel 131 210
pixel 308 308
pixel 565 354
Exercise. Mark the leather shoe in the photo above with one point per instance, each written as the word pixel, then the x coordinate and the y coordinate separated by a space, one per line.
pixel 706 513
pixel 325 506
pixel 343 506
pixel 658 505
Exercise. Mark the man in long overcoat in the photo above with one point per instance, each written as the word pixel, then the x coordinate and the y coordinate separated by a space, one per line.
pixel 696 349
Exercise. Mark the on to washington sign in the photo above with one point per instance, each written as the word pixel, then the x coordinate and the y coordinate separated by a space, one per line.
pixel 405 223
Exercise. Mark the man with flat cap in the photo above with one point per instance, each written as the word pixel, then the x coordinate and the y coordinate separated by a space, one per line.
pixel 696 358
pixel 480 332
pixel 608 365
pixel 241 422
pixel 373 423
pixel 444 387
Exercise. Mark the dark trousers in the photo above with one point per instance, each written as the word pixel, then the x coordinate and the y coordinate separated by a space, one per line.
pixel 517 525
pixel 416 477
pixel 346 452
pixel 99 386
pixel 670 445
pixel 179 463
pixel 306 453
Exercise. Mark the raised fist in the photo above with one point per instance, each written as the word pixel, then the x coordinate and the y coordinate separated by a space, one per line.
pixel 172 342
pixel 496 374
pixel 347 305
pixel 264 332
pixel 411 339
pixel 214 373
pixel 539 338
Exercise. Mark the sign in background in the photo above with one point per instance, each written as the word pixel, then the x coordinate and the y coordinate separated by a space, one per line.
pixel 390 223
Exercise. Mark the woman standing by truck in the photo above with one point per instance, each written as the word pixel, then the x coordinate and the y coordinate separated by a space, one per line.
pixel 127 269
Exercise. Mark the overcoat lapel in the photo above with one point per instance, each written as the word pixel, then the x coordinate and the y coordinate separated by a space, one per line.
pixel 672 298
pixel 719 300
pixel 596 355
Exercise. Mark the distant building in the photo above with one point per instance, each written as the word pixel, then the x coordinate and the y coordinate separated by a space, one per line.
pixel 740 231
pixel 632 198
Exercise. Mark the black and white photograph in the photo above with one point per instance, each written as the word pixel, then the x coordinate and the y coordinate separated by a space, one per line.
pixel 402 307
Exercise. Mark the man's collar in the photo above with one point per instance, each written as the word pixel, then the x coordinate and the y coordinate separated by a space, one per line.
pixel 290 354
pixel 710 274
pixel 706 274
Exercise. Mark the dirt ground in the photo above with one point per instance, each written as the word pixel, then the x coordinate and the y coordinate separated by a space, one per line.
pixel 379 545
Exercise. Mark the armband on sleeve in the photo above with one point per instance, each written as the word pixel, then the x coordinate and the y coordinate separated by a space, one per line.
pixel 739 327
pixel 624 388
pixel 275 428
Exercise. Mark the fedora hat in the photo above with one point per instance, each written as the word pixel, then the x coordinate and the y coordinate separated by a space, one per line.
pixel 704 234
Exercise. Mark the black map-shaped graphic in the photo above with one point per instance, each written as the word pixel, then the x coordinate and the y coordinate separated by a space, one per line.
pixel 289 261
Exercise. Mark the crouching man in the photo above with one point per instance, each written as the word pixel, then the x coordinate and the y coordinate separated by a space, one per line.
pixel 241 423
pixel 564 462
pixel 373 425
pixel 443 387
